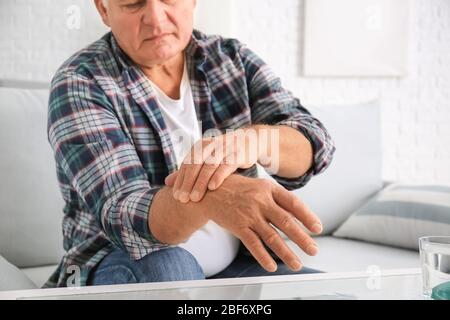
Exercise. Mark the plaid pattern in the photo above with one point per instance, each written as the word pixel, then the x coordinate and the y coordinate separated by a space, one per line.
pixel 113 150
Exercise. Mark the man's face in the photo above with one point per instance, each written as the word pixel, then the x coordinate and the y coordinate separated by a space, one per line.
pixel 149 31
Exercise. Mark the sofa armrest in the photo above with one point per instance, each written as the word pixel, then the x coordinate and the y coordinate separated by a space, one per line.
pixel 11 278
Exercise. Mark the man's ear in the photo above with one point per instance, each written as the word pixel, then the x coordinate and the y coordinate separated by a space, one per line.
pixel 103 11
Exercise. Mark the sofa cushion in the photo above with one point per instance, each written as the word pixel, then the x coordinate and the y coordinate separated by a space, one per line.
pixel 355 172
pixel 400 214
pixel 12 278
pixel 39 275
pixel 31 211
pixel 343 255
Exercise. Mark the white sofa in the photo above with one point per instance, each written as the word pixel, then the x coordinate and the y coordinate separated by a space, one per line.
pixel 31 204
pixel 352 179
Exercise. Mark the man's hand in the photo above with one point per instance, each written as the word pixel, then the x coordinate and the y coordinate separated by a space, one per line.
pixel 211 161
pixel 248 208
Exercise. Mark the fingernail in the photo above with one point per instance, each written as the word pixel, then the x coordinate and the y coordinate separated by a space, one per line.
pixel 296 265
pixel 211 186
pixel 317 228
pixel 272 267
pixel 176 194
pixel 184 197
pixel 195 196
pixel 312 250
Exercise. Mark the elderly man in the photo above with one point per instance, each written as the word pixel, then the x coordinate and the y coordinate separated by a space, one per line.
pixel 144 205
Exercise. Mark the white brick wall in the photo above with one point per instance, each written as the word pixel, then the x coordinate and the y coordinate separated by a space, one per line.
pixel 34 41
pixel 415 109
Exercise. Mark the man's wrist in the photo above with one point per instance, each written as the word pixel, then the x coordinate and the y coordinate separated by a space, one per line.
pixel 171 221
pixel 264 144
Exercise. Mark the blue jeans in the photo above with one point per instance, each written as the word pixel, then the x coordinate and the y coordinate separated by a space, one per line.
pixel 175 264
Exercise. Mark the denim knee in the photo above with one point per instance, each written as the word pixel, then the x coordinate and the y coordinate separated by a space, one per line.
pixel 113 274
pixel 171 264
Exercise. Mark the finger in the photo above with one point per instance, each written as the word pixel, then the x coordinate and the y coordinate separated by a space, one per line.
pixel 252 242
pixel 190 176
pixel 222 172
pixel 171 178
pixel 287 223
pixel 201 184
pixel 193 168
pixel 208 171
pixel 297 207
pixel 274 241
pixel 227 168
pixel 178 182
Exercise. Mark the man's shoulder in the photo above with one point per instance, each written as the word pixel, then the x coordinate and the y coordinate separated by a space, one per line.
pixel 217 46
pixel 87 61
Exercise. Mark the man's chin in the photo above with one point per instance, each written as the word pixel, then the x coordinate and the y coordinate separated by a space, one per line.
pixel 163 37
pixel 162 47
pixel 151 57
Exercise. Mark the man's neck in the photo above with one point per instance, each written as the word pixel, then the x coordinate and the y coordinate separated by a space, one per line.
pixel 167 76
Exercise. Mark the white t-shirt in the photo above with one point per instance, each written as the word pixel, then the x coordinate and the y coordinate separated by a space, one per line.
pixel 213 247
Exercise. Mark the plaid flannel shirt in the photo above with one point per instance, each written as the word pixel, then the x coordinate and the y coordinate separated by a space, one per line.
pixel 113 150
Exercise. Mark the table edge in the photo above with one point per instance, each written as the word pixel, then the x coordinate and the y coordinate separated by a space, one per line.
pixel 52 292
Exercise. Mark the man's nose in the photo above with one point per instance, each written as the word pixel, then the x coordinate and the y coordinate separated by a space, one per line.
pixel 154 13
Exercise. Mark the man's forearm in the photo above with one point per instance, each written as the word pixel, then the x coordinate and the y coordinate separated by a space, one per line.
pixel 294 151
pixel 173 222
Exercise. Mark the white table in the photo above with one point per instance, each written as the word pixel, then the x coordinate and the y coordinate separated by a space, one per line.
pixel 404 284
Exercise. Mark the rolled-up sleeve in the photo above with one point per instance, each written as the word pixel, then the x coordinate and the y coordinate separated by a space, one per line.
pixel 271 104
pixel 101 163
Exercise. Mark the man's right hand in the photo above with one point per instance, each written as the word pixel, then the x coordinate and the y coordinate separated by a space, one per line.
pixel 248 208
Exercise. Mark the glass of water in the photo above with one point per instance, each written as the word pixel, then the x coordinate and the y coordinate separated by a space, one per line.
pixel 435 261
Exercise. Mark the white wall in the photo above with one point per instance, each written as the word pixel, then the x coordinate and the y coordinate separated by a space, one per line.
pixel 415 109
pixel 35 40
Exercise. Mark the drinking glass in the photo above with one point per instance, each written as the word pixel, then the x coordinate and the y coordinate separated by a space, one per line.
pixel 435 262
